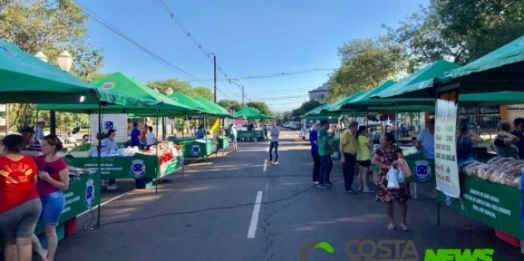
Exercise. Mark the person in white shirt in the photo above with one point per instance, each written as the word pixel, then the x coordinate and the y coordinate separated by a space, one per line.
pixel 233 136
pixel 426 140
pixel 109 145
pixel 273 144
pixel 150 138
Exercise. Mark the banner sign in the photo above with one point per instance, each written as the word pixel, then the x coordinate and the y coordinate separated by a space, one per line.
pixel 446 165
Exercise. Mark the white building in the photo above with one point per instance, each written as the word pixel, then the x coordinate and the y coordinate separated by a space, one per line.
pixel 319 94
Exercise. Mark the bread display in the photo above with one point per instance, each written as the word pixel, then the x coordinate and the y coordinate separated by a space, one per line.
pixel 506 171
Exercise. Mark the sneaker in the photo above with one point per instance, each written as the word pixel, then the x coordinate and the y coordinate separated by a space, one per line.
pixel 351 192
pixel 271 162
pixel 329 184
pixel 367 190
pixel 321 186
pixel 315 182
pixel 112 187
pixel 275 162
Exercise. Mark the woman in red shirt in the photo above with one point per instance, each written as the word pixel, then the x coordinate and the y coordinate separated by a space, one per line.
pixel 53 177
pixel 19 202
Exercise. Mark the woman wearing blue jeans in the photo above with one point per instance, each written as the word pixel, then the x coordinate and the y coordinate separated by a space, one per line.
pixel 53 177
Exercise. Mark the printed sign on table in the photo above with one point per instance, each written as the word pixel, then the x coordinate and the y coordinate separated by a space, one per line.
pixel 446 166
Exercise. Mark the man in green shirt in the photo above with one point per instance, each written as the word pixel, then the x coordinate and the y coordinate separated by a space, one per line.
pixel 324 151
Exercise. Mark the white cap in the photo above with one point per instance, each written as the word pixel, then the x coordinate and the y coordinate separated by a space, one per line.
pixel 40 120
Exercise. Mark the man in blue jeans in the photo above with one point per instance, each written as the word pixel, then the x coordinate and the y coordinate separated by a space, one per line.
pixel 274 132
pixel 324 151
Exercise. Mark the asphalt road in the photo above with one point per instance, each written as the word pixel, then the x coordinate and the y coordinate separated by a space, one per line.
pixel 209 215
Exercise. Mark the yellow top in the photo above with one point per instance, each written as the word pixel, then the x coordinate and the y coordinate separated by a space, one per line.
pixel 363 151
pixel 348 142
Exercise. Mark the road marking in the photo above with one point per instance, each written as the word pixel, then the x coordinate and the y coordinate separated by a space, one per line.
pixel 265 165
pixel 254 218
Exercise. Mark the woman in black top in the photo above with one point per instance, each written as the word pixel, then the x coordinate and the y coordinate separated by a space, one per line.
pixel 504 143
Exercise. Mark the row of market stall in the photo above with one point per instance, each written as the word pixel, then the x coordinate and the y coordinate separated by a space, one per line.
pixel 491 193
pixel 27 79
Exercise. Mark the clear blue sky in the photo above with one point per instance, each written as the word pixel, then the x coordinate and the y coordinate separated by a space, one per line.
pixel 249 37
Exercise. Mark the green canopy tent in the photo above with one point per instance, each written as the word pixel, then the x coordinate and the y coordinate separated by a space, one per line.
pixel 499 70
pixel 188 101
pixel 337 106
pixel 318 111
pixel 210 104
pixel 250 113
pixel 120 84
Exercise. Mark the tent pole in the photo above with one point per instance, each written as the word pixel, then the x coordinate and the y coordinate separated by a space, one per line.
pixel 99 158
pixel 157 168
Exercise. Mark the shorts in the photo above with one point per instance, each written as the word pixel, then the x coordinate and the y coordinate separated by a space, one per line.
pixel 364 163
pixel 21 220
pixel 52 206
pixel 233 140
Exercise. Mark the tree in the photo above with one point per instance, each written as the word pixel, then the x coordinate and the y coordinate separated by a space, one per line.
pixel 51 27
pixel 260 106
pixel 174 84
pixel 230 105
pixel 204 92
pixel 460 31
pixel 305 107
pixel 365 64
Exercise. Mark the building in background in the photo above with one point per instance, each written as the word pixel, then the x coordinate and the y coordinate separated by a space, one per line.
pixel 319 94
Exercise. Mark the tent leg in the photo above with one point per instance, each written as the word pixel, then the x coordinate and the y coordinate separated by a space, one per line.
pixel 438 213
pixel 99 211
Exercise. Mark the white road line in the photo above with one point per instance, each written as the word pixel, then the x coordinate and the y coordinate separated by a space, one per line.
pixel 265 165
pixel 254 218
pixel 103 203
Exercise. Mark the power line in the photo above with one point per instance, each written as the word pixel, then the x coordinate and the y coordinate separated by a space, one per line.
pixel 141 47
pixel 195 42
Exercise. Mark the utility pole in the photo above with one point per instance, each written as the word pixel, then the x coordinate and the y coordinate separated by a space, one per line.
pixel 242 96
pixel 215 78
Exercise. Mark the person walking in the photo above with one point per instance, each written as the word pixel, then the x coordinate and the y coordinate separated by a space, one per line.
pixel 385 158
pixel 53 178
pixel 324 151
pixel 273 144
pixel 363 157
pixel 233 137
pixel 348 155
pixel 314 152
pixel 20 206
pixel 135 135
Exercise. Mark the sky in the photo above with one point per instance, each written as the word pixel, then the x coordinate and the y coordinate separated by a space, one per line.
pixel 250 38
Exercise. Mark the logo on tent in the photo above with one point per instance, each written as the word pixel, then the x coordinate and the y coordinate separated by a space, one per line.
pixel 108 85
pixel 8 51
pixel 259 134
pixel 422 170
pixel 89 194
pixel 109 125
pixel 138 169
pixel 195 150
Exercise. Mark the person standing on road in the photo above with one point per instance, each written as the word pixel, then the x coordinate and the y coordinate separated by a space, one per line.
pixel 385 158
pixel 233 136
pixel 314 152
pixel 135 135
pixel 363 158
pixel 324 151
pixel 273 144
pixel 348 155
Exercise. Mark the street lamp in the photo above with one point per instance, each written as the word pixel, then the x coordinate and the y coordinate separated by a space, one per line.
pixel 40 55
pixel 65 61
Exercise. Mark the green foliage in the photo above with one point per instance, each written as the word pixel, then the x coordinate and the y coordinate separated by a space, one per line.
pixel 261 107
pixel 181 86
pixel 305 107
pixel 365 64
pixel 203 92
pixel 230 105
pixel 460 31
pixel 51 27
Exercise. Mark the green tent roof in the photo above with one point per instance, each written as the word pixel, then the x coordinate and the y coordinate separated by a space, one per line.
pixel 422 79
pixel 210 104
pixel 250 113
pixel 27 79
pixel 337 106
pixel 190 102
pixel 318 111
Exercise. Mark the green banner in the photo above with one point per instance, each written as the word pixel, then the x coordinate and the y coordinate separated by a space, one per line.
pixel 199 149
pixel 422 170
pixel 137 166
pixel 255 134
pixel 493 204
pixel 223 142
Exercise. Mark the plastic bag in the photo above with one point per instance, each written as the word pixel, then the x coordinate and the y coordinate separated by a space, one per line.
pixel 400 176
pixel 393 179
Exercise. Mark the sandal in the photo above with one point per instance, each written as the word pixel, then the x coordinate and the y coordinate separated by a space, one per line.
pixel 404 227
pixel 391 226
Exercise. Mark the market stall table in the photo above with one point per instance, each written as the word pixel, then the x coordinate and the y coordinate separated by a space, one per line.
pixel 196 147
